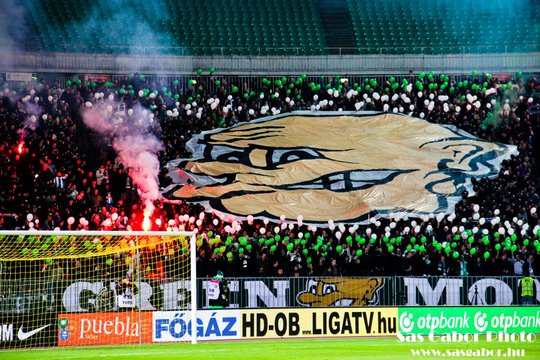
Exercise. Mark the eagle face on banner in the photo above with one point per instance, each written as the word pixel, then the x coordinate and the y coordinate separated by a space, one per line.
pixel 334 165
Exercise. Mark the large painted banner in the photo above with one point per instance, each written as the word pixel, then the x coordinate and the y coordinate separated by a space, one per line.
pixel 352 165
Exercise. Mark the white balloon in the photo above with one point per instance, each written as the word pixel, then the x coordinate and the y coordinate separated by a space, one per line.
pixel 29 217
pixel 215 222
pixel 276 229
pixel 262 231
pixel 71 220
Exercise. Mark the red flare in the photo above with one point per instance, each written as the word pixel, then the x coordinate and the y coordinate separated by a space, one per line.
pixel 146 224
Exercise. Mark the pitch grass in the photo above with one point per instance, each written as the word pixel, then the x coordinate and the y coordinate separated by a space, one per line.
pixel 342 349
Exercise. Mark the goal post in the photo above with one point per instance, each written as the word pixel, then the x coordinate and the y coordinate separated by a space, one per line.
pixel 77 288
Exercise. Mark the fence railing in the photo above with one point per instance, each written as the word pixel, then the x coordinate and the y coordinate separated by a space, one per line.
pixel 379 62
pixel 291 50
pixel 82 295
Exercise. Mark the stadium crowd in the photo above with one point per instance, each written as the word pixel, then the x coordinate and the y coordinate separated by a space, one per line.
pixel 55 173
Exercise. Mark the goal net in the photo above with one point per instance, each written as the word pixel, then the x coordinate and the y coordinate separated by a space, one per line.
pixel 95 288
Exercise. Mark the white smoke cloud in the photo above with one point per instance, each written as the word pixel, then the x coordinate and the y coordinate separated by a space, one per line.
pixel 136 146
pixel 13 29
pixel 138 153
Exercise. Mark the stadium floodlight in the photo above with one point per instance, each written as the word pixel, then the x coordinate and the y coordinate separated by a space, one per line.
pixel 94 287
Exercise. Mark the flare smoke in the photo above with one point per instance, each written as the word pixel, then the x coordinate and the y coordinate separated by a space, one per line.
pixel 132 140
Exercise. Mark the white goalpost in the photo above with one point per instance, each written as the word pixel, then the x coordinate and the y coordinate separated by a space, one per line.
pixel 77 288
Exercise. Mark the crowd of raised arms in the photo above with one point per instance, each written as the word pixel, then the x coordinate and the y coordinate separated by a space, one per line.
pixel 56 173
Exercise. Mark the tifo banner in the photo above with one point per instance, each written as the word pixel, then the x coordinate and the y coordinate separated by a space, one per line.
pixel 352 165
pixel 369 291
pixel 290 323
pixel 477 320
pixel 211 325
pixel 111 328
pixel 300 292
pixel 88 295
pixel 18 331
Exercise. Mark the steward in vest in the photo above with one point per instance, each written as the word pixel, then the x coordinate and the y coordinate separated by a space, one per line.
pixel 527 289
